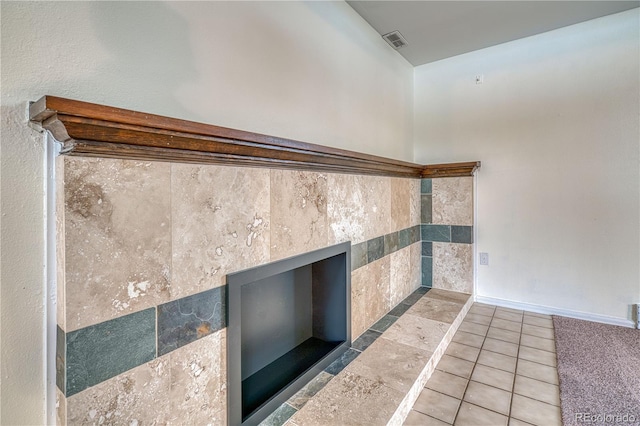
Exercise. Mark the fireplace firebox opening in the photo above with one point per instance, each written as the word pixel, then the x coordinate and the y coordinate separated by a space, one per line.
pixel 287 321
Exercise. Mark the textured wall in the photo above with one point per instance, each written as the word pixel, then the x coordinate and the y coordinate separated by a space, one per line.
pixel 144 248
pixel 310 71
pixel 556 126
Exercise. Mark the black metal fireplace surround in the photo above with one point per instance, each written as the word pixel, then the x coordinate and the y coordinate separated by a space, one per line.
pixel 287 321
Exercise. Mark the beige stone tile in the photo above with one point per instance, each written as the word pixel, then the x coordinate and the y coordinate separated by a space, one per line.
pixel 509 316
pixel 456 366
pixel 117 238
pixel 452 200
pixel 538 343
pixel 516 422
pixel 538 355
pixel 493 377
pixel 438 405
pixel 416 265
pixel 468 339
pixel 437 310
pixel 350 399
pixel 448 295
pixel 370 295
pixel 478 319
pixel 506 324
pixel 138 396
pixel 472 415
pixel 546 333
pixel 400 279
pixel 537 371
pixel 500 346
pixel 61 408
pixel 393 364
pixel 358 207
pixel 453 267
pixel 488 397
pixel 416 418
pixel 298 212
pixel 497 360
pixel 221 223
pixel 535 389
pixel 535 412
pixel 400 203
pixel 199 381
pixel 421 333
pixel 448 384
pixel 415 205
pixel 472 327
pixel 501 334
pixel 459 350
pixel 538 322
pixel 482 309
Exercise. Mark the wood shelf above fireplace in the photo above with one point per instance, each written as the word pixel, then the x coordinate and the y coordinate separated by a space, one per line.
pixel 88 129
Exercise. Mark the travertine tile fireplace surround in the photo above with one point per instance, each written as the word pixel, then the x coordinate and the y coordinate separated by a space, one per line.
pixel 147 232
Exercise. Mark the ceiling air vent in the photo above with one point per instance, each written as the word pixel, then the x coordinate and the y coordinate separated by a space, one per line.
pixel 395 39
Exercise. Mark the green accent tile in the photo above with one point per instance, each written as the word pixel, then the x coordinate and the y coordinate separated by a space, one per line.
pixel 390 243
pixel 280 416
pixel 425 186
pixel 427 248
pixel 427 271
pixel 384 323
pixel 404 238
pixel 188 319
pixel 340 363
pixel 415 234
pixel 358 255
pixel 365 340
pixel 375 249
pixel 426 209
pixel 441 233
pixel 102 351
pixel 462 234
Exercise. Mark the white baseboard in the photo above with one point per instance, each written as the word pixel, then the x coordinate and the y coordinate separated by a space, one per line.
pixel 605 319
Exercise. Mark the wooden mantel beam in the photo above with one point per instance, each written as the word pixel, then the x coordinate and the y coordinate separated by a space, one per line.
pixel 87 129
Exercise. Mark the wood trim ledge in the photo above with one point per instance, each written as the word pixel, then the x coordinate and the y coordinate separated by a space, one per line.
pixel 88 129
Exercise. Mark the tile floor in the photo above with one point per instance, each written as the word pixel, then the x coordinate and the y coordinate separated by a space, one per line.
pixel 500 369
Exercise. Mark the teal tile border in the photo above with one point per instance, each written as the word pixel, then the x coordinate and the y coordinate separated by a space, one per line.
pixel 102 351
pixel 376 248
pixel 425 186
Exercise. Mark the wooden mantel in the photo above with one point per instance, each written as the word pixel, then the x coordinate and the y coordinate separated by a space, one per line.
pixel 88 129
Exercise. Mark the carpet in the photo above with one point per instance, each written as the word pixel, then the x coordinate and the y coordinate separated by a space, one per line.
pixel 599 371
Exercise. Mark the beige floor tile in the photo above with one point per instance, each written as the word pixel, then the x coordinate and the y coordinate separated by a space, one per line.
pixel 540 322
pixel 516 422
pixel 478 319
pixel 500 346
pixel 471 327
pixel 468 339
pixel 448 384
pixel 537 342
pixel 438 405
pixel 506 335
pixel 493 377
pixel 535 314
pixel 506 324
pixel 496 360
pixel 416 418
pixel 546 333
pixel 508 316
pixel 472 415
pixel 488 397
pixel 535 412
pixel 511 310
pixel 535 389
pixel 538 355
pixel 456 366
pixel 481 309
pixel 537 371
pixel 459 350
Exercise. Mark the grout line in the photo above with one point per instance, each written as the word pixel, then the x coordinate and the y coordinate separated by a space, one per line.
pixel 515 373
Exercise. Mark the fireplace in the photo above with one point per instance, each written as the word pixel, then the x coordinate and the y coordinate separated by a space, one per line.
pixel 288 320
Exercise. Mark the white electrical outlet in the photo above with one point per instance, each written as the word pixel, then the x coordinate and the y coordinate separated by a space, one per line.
pixel 479 79
pixel 484 259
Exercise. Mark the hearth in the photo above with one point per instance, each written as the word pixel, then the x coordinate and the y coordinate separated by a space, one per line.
pixel 288 320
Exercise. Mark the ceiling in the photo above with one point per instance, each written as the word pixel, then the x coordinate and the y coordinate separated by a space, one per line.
pixel 437 30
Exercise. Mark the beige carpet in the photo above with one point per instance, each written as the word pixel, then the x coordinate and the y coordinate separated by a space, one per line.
pixel 599 370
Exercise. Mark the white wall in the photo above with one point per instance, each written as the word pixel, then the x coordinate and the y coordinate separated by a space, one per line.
pixel 556 126
pixel 315 72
